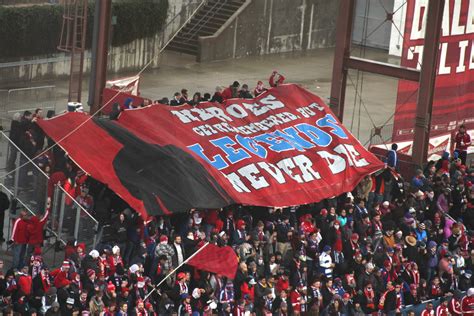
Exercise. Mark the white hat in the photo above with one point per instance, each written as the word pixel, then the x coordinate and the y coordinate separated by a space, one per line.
pixel 386 203
pixel 412 210
pixel 115 250
pixel 133 268
pixel 470 292
pixel 94 254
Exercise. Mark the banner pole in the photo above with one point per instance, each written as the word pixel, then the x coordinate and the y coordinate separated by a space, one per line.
pixel 176 269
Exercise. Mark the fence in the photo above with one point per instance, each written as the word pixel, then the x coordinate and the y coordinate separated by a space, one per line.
pixel 28 184
pixel 28 98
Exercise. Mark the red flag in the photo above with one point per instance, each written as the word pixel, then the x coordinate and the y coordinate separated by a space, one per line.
pixel 215 259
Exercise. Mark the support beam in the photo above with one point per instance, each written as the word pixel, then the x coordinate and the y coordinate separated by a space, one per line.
pixel 100 70
pixel 382 68
pixel 426 90
pixel 342 51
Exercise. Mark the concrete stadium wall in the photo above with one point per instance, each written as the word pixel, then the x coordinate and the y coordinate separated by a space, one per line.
pixel 132 56
pixel 273 26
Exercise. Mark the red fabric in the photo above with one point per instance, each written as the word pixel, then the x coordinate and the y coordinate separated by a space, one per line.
pixel 55 178
pixel 227 93
pixel 453 97
pixel 61 279
pixel 281 163
pixel 71 189
pixel 295 301
pixel 338 242
pixel 467 305
pixel 36 228
pixel 454 307
pixel 246 290
pixel 442 310
pixel 211 217
pixel 24 284
pixel 218 260
pixel 282 285
pixel 274 83
pixel 20 231
pixel 427 313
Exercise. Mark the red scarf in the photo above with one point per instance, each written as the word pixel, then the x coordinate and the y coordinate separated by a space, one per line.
pixel 140 312
pixel 188 309
pixel 415 275
pixel 369 294
pixel 46 283
pixel 399 300
pixel 159 270
pixel 436 290
pixel 338 242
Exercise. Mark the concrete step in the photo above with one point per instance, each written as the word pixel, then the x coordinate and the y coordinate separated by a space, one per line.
pixel 183 51
pixel 206 22
pixel 184 45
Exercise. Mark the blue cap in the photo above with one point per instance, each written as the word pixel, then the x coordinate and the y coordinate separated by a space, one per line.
pixel 128 101
pixel 326 248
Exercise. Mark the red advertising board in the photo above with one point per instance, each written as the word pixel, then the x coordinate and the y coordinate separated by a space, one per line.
pixel 283 148
pixel 454 96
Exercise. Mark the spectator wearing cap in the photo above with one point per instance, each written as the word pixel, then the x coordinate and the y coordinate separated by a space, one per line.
pixel 127 104
pixel 185 308
pixel 240 234
pixel 181 286
pixel 91 261
pixel 325 262
pixel 165 249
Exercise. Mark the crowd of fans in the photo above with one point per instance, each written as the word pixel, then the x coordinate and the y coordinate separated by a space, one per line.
pixel 387 244
pixel 235 90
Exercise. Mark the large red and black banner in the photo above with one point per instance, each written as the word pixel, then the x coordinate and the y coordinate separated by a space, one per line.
pixel 454 96
pixel 282 148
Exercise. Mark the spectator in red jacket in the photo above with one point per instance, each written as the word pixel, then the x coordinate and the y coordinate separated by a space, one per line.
pixel 467 303
pixel 428 311
pixel 19 239
pixel 35 230
pixel 231 91
pixel 24 282
pixel 276 79
pixel 463 141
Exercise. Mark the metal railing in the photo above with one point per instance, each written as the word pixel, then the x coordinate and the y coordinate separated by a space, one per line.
pixel 28 182
pixel 209 14
pixel 170 23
